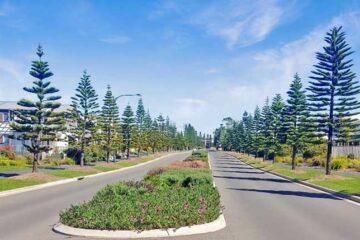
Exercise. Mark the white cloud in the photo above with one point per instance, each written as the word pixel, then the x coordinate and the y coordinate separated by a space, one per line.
pixel 115 39
pixel 241 23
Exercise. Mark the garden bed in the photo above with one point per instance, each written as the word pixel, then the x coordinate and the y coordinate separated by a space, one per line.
pixel 169 197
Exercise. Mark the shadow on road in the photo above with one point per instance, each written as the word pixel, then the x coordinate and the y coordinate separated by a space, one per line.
pixel 231 163
pixel 216 166
pixel 255 179
pixel 239 171
pixel 289 193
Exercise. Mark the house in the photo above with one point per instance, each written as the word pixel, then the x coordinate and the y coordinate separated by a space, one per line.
pixel 7 115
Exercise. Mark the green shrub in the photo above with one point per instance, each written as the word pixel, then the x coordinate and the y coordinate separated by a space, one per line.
pixel 68 161
pixel 182 177
pixel 354 163
pixel 198 155
pixel 315 150
pixel 316 161
pixel 8 162
pixel 339 163
pixel 140 206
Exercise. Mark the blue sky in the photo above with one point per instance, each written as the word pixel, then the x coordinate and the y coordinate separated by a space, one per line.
pixel 196 61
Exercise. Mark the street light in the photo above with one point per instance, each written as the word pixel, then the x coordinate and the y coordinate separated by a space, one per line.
pixel 128 95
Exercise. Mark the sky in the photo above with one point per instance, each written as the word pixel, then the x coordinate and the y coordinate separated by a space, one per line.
pixel 197 61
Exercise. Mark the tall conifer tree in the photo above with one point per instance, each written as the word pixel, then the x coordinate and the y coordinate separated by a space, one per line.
pixel 110 123
pixel 333 92
pixel 127 122
pixel 84 112
pixel 36 120
pixel 296 116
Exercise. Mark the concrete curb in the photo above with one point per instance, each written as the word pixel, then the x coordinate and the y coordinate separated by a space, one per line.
pixel 216 225
pixel 316 187
pixel 55 183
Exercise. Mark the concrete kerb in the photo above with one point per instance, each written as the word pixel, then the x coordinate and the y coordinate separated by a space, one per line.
pixel 213 226
pixel 216 225
pixel 315 187
pixel 59 182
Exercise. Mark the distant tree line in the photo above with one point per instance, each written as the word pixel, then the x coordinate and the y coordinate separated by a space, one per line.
pixel 321 113
pixel 94 132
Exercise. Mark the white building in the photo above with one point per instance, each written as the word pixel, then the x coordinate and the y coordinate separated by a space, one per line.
pixel 7 115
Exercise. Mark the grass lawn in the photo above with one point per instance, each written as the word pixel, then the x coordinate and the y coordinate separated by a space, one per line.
pixel 69 173
pixel 13 168
pixel 106 168
pixel 7 184
pixel 347 186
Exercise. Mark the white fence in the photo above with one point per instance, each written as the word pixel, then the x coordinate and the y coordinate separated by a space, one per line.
pixel 346 150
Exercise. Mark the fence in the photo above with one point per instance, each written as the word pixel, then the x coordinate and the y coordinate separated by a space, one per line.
pixel 346 151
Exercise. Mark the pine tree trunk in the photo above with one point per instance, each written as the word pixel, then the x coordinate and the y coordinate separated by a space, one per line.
pixel 330 135
pixel 293 157
pixel 35 163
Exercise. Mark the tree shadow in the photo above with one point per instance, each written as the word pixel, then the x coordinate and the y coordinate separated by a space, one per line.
pixel 6 175
pixel 289 193
pixel 215 166
pixel 255 179
pixel 230 163
pixel 240 171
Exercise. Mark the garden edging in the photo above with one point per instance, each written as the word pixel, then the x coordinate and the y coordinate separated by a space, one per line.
pixel 59 182
pixel 216 225
pixel 316 187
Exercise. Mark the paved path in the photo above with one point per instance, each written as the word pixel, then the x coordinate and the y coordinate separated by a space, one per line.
pixel 260 206
pixel 31 215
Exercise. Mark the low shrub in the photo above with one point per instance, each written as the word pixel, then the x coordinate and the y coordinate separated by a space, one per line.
pixel 181 177
pixel 8 162
pixel 339 163
pixel 140 206
pixel 156 171
pixel 198 155
pixel 355 164
pixel 316 161
pixel 7 151
pixel 189 164
pixel 57 162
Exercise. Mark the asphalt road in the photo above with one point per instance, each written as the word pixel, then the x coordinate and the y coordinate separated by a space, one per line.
pixel 31 215
pixel 260 206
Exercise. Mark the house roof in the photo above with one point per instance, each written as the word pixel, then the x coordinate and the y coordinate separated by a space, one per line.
pixel 12 105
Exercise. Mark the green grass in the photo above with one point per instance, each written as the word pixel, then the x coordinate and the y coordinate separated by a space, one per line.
pixel 349 186
pixel 302 175
pixel 105 168
pixel 13 168
pixel 69 173
pixel 7 184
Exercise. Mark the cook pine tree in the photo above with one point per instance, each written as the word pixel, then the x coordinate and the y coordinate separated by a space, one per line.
pixel 110 124
pixel 83 114
pixel 333 92
pixel 37 121
pixel 296 118
pixel 127 123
